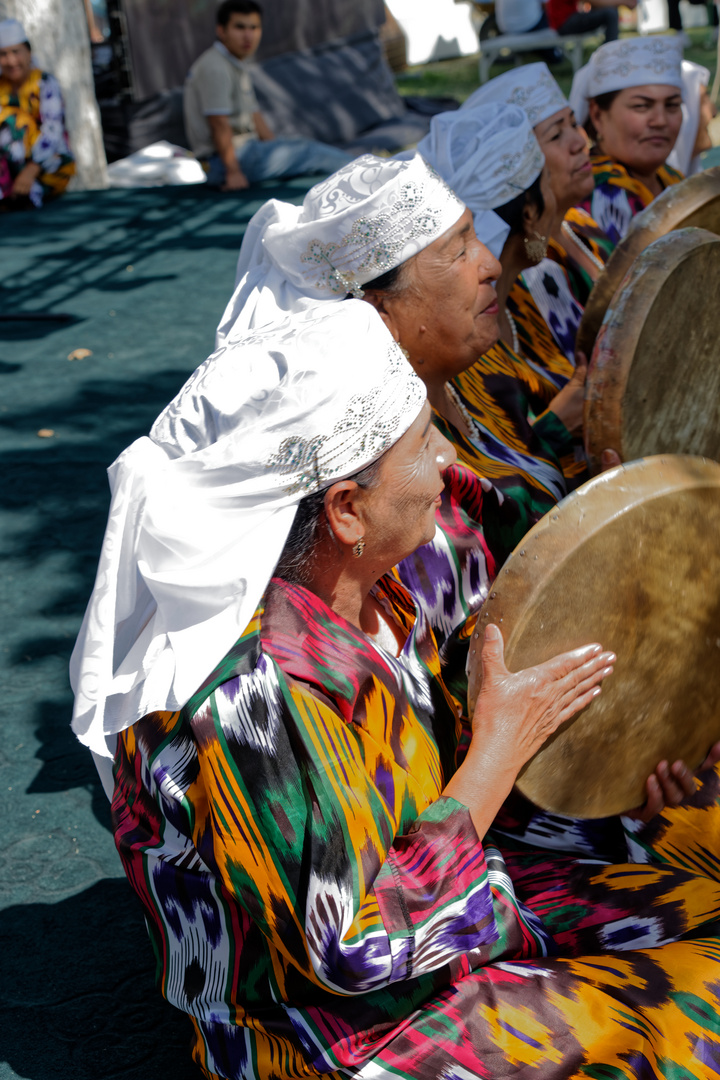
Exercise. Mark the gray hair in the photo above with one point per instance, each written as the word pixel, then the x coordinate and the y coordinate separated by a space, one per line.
pixel 300 552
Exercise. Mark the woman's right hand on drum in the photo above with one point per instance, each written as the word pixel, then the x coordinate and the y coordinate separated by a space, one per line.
pixel 515 714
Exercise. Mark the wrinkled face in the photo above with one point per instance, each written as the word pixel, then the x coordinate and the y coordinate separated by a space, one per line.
pixel 242 34
pixel 400 509
pixel 640 127
pixel 15 63
pixel 447 315
pixel 564 144
pixel 707 112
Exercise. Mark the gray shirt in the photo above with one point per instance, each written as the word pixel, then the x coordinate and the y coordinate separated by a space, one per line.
pixel 218 84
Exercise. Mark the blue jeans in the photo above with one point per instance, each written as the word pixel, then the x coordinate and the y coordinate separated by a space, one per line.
pixel 280 158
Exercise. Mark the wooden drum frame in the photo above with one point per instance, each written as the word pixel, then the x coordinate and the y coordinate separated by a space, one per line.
pixel 630 560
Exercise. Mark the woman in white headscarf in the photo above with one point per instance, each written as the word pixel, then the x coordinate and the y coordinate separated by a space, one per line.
pixel 548 299
pixel 697 111
pixel 35 159
pixel 370 229
pixel 289 801
pixel 491 158
pixel 629 96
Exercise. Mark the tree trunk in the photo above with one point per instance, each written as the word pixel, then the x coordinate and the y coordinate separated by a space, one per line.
pixel 58 33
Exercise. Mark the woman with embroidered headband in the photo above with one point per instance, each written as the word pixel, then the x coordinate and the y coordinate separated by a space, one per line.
pixel 289 803
pixel 629 97
pixel 491 158
pixel 548 299
pixel 395 232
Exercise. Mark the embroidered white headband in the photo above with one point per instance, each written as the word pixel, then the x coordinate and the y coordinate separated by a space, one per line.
pixel 621 65
pixel 367 218
pixel 488 155
pixel 12 32
pixel 531 86
pixel 201 509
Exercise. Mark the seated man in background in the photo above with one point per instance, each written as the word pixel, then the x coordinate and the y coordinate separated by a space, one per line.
pixel 224 124
pixel 564 16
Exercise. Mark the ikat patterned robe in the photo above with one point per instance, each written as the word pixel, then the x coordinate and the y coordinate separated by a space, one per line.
pixel 318 907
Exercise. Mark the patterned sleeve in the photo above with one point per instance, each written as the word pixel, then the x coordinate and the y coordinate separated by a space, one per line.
pixel 554 434
pixel 307 826
pixel 51 144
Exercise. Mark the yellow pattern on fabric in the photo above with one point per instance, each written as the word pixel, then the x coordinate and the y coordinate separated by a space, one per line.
pixel 26 119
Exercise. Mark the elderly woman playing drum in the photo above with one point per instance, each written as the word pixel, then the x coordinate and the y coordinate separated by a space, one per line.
pixel 631 94
pixel 555 291
pixel 290 804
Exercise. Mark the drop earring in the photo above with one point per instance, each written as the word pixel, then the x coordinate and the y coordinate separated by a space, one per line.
pixel 536 248
pixel 359 547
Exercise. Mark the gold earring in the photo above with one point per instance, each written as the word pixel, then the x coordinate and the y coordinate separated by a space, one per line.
pixel 536 249
pixel 359 547
pixel 404 351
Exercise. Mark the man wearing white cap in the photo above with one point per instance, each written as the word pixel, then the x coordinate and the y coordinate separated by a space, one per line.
pixel 35 160
pixel 556 290
pixel 629 96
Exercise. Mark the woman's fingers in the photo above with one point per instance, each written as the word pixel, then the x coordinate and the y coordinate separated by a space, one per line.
pixel 712 758
pixel 493 655
pixel 558 667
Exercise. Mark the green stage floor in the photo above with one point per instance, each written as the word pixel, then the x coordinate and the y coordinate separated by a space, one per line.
pixel 145 276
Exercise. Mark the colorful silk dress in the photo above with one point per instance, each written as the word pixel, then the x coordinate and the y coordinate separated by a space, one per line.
pixel 523 459
pixel 547 300
pixel 32 128
pixel 618 196
pixel 319 908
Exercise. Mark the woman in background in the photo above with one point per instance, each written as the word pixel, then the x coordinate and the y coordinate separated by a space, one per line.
pixel 631 93
pixel 35 159
pixel 547 300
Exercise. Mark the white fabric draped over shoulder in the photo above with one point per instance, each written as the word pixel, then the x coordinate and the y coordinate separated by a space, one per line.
pixel 202 508
pixel 488 155
pixel 620 65
pixel 367 218
pixel 695 78
pixel 531 86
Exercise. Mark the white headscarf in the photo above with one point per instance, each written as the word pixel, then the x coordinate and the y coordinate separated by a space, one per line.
pixel 488 155
pixel 620 65
pixel 694 77
pixel 365 219
pixel 12 32
pixel 531 86
pixel 201 510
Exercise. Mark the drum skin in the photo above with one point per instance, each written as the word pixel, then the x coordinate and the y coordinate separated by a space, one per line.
pixel 630 560
pixel 653 384
pixel 694 202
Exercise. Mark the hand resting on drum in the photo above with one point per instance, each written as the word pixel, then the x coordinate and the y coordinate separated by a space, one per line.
pixel 515 714
pixel 671 785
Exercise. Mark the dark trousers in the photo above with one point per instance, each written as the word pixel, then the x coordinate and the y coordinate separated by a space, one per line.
pixel 582 22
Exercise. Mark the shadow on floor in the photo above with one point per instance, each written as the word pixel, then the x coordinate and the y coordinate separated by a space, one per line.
pixel 79 1000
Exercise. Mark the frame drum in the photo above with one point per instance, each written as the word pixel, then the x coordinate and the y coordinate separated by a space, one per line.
pixel 630 560
pixel 693 202
pixel 653 384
